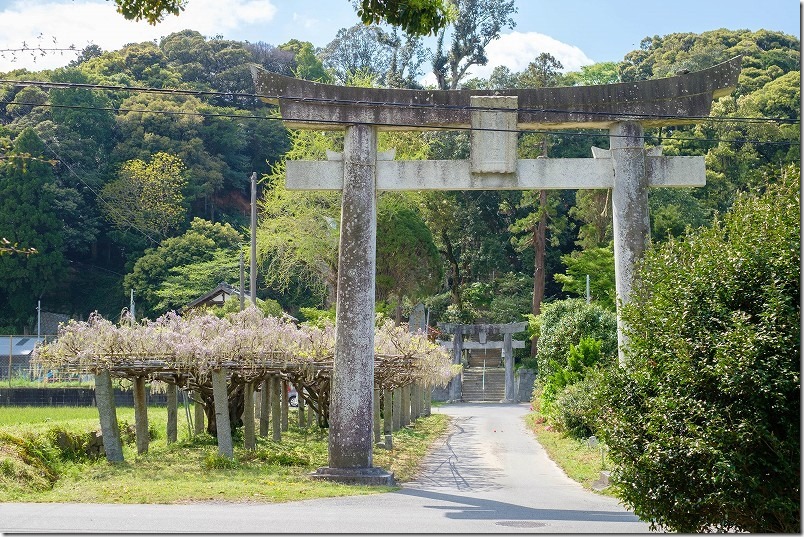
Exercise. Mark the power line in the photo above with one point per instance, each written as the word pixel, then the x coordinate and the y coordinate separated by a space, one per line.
pixel 419 126
pixel 314 100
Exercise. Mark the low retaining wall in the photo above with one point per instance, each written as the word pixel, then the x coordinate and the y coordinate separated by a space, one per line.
pixel 68 397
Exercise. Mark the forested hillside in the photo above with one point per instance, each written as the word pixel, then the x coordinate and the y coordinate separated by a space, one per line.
pixel 130 169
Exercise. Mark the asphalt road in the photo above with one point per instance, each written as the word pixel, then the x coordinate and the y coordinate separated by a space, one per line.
pixel 488 475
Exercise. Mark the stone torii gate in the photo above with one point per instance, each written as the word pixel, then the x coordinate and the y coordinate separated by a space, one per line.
pixel 495 117
pixel 482 331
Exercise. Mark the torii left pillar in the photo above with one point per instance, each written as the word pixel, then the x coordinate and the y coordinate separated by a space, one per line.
pixel 350 417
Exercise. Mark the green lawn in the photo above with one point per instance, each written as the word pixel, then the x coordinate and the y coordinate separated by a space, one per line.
pixel 33 469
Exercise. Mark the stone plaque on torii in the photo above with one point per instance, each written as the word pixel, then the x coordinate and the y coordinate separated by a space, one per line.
pixel 494 117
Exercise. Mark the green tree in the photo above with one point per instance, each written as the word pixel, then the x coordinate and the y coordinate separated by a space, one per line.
pixel 210 248
pixel 591 75
pixel 359 48
pixel 703 422
pixel 408 264
pixel 542 72
pixel 308 65
pixel 80 137
pixel 147 196
pixel 478 23
pixel 27 218
pixel 592 211
pixel 297 237
pixel 598 264
pixel 420 17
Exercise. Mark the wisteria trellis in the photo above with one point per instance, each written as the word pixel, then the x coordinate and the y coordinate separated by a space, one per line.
pixel 250 346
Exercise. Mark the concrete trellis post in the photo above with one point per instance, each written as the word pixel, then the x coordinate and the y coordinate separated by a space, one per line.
pixel 301 409
pixel 276 408
pixel 265 407
pixel 107 413
pixel 494 118
pixel 376 423
pixel 222 423
pixel 198 415
pixel 172 428
pixel 387 412
pixel 405 416
pixel 249 438
pixel 414 402
pixel 284 405
pixel 141 415
pixel 396 414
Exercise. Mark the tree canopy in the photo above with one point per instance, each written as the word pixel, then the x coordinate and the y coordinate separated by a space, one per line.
pixel 418 17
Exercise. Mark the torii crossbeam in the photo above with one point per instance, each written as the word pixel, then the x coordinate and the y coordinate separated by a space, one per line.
pixel 494 117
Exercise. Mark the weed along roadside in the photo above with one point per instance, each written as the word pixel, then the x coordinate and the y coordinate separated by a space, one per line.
pixel 48 455
pixel 584 461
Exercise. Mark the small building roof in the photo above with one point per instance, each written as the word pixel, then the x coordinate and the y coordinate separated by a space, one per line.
pixel 216 297
pixel 18 345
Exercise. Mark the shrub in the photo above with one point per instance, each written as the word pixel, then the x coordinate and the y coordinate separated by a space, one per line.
pixel 292 457
pixel 71 445
pixel 703 422
pixel 577 409
pixel 214 461
pixel 564 323
pixel 579 360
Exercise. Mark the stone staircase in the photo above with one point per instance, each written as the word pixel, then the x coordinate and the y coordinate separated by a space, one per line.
pixel 478 386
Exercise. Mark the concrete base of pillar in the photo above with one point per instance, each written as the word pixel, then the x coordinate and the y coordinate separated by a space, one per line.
pixel 372 477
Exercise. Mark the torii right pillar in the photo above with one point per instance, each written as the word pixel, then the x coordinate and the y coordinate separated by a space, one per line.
pixel 629 200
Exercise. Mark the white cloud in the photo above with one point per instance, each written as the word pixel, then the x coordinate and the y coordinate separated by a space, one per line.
pixel 516 50
pixel 80 23
pixel 219 16
pixel 305 21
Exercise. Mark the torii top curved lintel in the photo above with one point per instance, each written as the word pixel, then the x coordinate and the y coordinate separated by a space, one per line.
pixel 667 101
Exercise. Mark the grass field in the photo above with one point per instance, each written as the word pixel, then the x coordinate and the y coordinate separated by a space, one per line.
pixel 34 468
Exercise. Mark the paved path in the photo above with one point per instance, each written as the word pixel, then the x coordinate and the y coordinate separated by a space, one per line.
pixel 488 475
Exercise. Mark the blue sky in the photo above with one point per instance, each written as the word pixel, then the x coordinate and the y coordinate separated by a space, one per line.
pixel 577 32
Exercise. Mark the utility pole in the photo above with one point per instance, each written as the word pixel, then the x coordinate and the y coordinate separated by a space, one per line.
pixel 242 283
pixel 131 309
pixel 253 266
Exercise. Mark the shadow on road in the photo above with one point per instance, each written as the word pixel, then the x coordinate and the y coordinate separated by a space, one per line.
pixel 470 508
pixel 467 471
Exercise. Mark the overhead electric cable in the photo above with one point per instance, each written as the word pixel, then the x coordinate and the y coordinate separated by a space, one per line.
pixel 97 194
